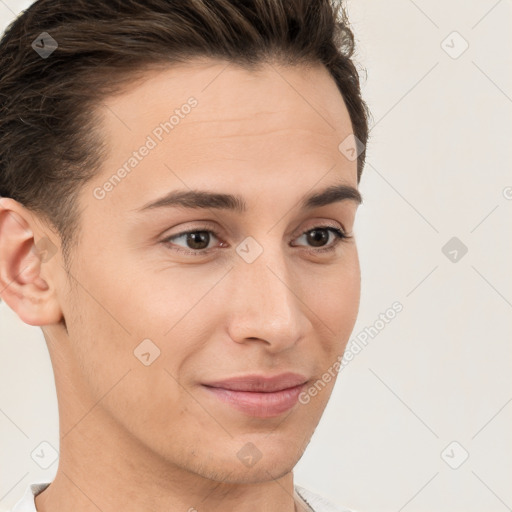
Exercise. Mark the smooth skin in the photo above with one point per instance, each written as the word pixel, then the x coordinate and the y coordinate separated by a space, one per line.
pixel 152 438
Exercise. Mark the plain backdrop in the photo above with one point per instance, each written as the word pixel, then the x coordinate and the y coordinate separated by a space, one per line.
pixel 420 419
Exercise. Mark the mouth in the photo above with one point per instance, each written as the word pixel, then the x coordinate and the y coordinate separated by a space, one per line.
pixel 259 396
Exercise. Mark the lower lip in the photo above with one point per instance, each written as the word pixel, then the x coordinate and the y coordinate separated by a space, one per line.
pixel 261 405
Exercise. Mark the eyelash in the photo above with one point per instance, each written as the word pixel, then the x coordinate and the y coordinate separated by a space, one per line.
pixel 341 236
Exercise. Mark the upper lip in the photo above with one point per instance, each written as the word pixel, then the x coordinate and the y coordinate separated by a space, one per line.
pixel 261 383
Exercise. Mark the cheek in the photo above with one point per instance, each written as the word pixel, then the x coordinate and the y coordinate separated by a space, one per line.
pixel 101 345
pixel 336 294
pixel 113 373
pixel 106 320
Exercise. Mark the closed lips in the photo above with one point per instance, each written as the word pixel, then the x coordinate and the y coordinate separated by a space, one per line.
pixel 260 384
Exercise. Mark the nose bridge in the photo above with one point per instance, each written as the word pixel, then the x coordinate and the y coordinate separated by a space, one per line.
pixel 265 305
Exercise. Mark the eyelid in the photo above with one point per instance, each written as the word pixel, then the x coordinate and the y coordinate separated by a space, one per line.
pixel 203 226
pixel 323 224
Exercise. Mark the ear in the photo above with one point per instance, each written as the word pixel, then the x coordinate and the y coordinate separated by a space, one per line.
pixel 26 264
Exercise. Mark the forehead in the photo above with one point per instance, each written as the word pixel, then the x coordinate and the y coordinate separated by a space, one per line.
pixel 276 123
pixel 226 89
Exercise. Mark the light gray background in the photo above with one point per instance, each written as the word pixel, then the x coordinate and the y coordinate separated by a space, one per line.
pixel 438 166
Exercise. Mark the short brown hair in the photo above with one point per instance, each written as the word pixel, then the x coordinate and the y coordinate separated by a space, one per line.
pixel 49 139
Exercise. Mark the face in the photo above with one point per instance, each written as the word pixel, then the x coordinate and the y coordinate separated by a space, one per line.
pixel 260 286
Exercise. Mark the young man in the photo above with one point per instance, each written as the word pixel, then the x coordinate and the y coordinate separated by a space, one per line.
pixel 179 188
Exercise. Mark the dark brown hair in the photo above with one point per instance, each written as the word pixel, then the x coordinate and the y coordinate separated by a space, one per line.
pixel 50 142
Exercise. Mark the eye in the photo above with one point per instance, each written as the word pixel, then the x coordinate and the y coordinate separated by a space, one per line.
pixel 197 241
pixel 319 237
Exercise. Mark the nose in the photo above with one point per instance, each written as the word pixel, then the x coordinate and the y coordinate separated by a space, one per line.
pixel 266 304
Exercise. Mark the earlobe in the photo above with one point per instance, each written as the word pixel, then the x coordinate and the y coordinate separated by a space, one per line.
pixel 24 285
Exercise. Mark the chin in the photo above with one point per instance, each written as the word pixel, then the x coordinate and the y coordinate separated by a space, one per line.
pixel 259 473
pixel 249 461
pixel 263 457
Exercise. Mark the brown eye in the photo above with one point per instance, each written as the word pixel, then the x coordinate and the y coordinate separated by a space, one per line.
pixel 319 237
pixel 193 242
pixel 198 240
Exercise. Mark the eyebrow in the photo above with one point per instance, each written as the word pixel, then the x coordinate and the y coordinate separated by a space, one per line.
pixel 202 199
